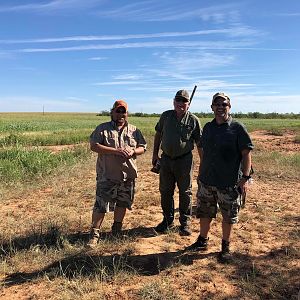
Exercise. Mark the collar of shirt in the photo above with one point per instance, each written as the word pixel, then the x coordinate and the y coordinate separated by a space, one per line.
pixel 114 125
pixel 227 122
pixel 184 117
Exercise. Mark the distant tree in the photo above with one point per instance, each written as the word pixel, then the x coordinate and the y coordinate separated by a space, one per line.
pixel 104 113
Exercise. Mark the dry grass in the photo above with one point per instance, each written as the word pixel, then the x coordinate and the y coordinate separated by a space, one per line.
pixel 45 226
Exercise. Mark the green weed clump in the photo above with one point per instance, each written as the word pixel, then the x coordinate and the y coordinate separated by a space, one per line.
pixel 19 164
pixel 276 132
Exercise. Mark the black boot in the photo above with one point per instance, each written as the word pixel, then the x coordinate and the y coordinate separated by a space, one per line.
pixel 225 255
pixel 185 230
pixel 199 245
pixel 164 226
pixel 116 228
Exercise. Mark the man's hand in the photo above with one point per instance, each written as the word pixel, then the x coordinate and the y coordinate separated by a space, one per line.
pixel 125 152
pixel 242 186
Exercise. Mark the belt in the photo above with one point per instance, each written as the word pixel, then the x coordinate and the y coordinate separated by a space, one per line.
pixel 177 157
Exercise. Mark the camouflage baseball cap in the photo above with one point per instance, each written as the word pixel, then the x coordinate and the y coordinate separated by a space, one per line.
pixel 182 94
pixel 220 95
pixel 120 103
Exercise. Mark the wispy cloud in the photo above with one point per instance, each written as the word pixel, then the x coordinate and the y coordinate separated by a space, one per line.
pixel 208 45
pixel 183 61
pixel 237 31
pixel 121 82
pixel 293 14
pixel 32 103
pixel 56 5
pixel 76 99
pixel 97 58
pixel 127 77
pixel 162 11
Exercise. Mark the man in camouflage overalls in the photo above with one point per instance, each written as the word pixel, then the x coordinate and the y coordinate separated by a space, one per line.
pixel 223 173
pixel 176 132
pixel 117 143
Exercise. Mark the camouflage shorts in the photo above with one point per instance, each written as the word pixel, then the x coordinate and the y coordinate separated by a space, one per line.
pixel 210 198
pixel 110 194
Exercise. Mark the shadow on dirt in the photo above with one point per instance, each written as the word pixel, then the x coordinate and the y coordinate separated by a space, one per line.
pixel 247 270
pixel 106 267
pixel 54 237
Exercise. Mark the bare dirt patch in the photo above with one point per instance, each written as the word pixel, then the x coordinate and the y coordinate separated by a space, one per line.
pixel 267 142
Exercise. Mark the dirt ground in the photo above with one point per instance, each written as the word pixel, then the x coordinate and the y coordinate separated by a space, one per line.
pixel 265 242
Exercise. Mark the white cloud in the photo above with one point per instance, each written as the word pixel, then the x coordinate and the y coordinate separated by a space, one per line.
pixel 209 45
pixel 97 58
pixel 127 77
pixel 121 82
pixel 266 103
pixel 231 31
pixel 293 14
pixel 161 11
pixel 36 104
pixel 76 99
pixel 56 5
pixel 187 61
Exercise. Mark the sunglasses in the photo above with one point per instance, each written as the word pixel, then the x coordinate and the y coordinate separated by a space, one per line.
pixel 121 111
pixel 221 104
pixel 182 100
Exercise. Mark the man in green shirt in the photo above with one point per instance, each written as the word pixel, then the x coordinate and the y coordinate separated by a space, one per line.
pixel 176 133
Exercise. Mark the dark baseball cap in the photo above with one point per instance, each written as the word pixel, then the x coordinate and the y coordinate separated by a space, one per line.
pixel 220 95
pixel 182 95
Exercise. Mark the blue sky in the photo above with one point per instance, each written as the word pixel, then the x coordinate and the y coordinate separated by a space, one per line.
pixel 81 55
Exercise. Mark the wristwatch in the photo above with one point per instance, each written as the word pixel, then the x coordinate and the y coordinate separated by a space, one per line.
pixel 247 177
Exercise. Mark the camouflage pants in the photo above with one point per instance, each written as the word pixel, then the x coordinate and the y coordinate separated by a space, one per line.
pixel 111 193
pixel 210 198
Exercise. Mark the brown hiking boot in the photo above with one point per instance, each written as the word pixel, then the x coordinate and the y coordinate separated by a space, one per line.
pixel 94 237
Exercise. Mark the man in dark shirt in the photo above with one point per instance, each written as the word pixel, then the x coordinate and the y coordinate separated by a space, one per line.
pixel 176 132
pixel 223 173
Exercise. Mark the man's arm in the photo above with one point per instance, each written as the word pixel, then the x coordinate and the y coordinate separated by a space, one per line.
pixel 156 145
pixel 246 167
pixel 246 161
pixel 200 152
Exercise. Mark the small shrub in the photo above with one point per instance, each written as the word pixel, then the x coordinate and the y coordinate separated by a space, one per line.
pixel 276 132
pixel 297 139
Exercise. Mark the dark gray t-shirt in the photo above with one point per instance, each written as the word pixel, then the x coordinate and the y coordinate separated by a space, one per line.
pixel 178 137
pixel 222 146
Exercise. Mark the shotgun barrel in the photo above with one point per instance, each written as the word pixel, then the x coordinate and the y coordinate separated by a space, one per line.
pixel 193 92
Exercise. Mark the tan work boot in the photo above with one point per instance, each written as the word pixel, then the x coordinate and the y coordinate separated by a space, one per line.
pixel 94 237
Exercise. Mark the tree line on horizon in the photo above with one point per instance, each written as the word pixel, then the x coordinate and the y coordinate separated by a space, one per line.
pixel 250 115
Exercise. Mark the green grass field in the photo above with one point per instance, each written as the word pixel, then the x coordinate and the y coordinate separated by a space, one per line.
pixel 20 132
pixel 71 128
